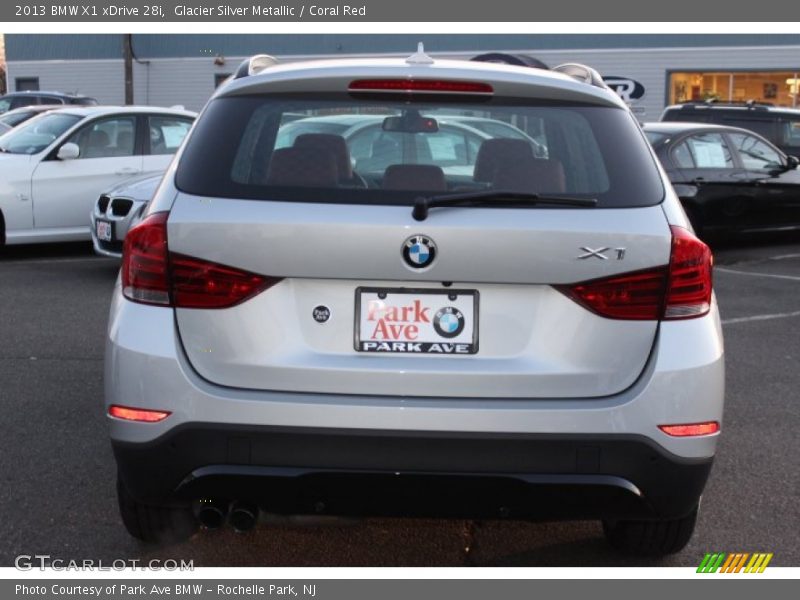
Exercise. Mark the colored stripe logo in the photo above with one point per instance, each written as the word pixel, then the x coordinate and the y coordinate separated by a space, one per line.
pixel 737 562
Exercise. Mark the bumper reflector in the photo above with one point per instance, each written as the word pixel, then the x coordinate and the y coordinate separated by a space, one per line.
pixel 690 429
pixel 137 414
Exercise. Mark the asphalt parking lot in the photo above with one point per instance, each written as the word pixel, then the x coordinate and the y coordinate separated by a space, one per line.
pixel 57 472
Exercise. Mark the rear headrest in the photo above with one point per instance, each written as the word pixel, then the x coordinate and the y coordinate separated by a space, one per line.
pixel 496 152
pixel 534 175
pixel 414 177
pixel 303 167
pixel 332 143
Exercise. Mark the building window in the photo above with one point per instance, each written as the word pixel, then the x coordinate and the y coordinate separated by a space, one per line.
pixel 780 88
pixel 219 78
pixel 26 84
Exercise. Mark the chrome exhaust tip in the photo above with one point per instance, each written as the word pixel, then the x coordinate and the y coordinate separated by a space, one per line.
pixel 243 516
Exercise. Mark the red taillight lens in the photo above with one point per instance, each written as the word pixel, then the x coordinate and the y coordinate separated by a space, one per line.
pixel 690 429
pixel 420 85
pixel 637 296
pixel 680 290
pixel 143 415
pixel 151 275
pixel 689 292
pixel 202 284
pixel 144 261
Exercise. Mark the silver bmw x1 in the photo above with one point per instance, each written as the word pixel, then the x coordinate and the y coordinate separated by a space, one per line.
pixel 348 299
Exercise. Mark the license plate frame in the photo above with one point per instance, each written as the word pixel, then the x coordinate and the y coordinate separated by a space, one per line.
pixel 465 346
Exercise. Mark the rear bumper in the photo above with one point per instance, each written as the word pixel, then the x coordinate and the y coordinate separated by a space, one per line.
pixel 361 454
pixel 353 472
pixel 145 367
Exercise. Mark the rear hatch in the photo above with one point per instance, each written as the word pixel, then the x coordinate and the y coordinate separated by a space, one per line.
pixel 364 299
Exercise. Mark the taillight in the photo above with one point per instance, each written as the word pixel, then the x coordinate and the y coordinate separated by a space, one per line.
pixel 691 429
pixel 435 86
pixel 144 415
pixel 152 275
pixel 144 261
pixel 201 284
pixel 689 291
pixel 679 290
pixel 638 296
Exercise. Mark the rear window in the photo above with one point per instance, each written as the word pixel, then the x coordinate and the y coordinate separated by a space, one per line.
pixel 765 127
pixel 691 114
pixel 789 132
pixel 342 149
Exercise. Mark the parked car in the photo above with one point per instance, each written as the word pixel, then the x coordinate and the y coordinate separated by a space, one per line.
pixel 728 179
pixel 20 99
pixel 780 125
pixel 495 128
pixel 53 167
pixel 453 146
pixel 18 116
pixel 537 340
pixel 117 210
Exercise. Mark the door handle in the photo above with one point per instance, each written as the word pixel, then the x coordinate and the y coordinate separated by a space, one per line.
pixel 128 171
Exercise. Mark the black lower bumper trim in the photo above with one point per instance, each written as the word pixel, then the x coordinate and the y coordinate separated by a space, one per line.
pixel 358 472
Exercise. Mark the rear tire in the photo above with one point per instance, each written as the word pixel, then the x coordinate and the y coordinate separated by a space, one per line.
pixel 154 524
pixel 650 538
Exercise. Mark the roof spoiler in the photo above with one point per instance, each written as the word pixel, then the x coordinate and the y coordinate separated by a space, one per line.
pixel 581 73
pixel 254 65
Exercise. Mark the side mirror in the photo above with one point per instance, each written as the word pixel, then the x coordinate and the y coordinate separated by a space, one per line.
pixel 68 151
pixel 792 162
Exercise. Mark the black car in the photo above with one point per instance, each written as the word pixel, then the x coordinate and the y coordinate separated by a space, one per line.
pixel 779 125
pixel 728 179
pixel 20 99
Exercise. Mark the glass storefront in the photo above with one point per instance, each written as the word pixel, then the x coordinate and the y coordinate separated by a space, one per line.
pixel 774 87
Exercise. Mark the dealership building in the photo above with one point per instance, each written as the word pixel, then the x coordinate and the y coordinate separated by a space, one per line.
pixel 183 69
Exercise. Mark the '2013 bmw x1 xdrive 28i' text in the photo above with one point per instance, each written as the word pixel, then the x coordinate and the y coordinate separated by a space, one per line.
pixel 415 319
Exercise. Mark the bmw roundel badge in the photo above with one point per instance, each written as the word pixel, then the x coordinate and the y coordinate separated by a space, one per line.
pixel 419 251
pixel 448 322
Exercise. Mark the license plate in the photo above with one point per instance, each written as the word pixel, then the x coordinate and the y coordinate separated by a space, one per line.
pixel 416 321
pixel 104 230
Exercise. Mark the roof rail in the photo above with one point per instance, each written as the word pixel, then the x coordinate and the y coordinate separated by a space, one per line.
pixel 751 104
pixel 254 65
pixel 519 60
pixel 582 73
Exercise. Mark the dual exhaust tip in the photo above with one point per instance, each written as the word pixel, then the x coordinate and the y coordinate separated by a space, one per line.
pixel 242 516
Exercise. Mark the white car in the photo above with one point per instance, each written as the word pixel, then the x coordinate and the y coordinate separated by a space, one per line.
pixel 53 167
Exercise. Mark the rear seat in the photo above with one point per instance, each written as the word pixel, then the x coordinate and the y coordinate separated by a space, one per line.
pixel 414 177
pixel 306 167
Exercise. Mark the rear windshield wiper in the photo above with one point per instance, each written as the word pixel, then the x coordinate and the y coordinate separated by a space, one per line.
pixel 494 197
